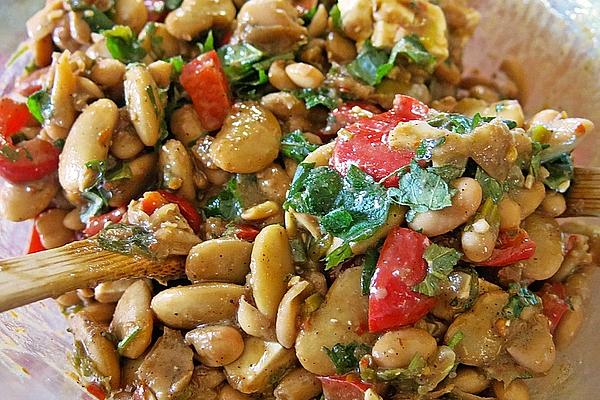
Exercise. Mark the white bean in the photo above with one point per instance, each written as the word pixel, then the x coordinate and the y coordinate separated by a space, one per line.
pixel 216 345
pixel 143 103
pixel 219 260
pixel 196 16
pixel 132 13
pixel 304 75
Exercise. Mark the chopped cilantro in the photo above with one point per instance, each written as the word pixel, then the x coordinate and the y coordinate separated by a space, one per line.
pixel 368 270
pixel 314 97
pixel 440 262
pixel 126 239
pixel 40 105
pixel 520 298
pixel 491 187
pixel 345 357
pixel 294 145
pixel 177 64
pixel 123 45
pixel 227 203
pixel 561 172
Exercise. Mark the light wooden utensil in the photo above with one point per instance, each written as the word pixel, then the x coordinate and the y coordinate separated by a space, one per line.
pixel 583 198
pixel 80 264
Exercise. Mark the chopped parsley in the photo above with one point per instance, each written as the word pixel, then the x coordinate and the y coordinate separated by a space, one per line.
pixel 227 204
pixel 123 45
pixel 97 195
pixel 520 298
pixel 313 190
pixel 368 270
pixel 40 105
pixel 96 19
pixel 561 172
pixel 440 263
pixel 126 239
pixel 491 187
pixel 315 97
pixel 461 124
pixel 209 43
pixel 425 149
pixel 294 145
pixel 338 256
pixel 345 357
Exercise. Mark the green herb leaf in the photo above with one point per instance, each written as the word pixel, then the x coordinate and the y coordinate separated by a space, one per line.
pixel 520 298
pixel 177 64
pixel 425 149
pixel 119 173
pixel 447 172
pixel 40 105
pixel 127 339
pixel 371 65
pixel 414 369
pixel 97 202
pixel 126 239
pixel 455 339
pixel 456 123
pixel 298 251
pixel 336 17
pixel 209 43
pixel 440 262
pixel 173 4
pixel 123 45
pixel 491 187
pixel 313 190
pixel 294 145
pixel 536 157
pixel 368 270
pixel 422 191
pixel 238 59
pixel 314 97
pixel 561 172
pixel 226 204
pixel 96 19
pixel 338 256
pixel 308 16
pixel 345 357
pixel 412 48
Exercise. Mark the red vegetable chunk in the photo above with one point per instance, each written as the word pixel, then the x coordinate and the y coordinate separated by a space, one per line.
pixel 348 387
pixel 512 246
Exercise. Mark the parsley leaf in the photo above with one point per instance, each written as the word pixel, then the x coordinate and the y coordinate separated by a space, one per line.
pixel 368 270
pixel 336 17
pixel 98 193
pixel 561 172
pixel 440 262
pixel 123 45
pixel 456 123
pixel 345 357
pixel 313 190
pixel 520 298
pixel 126 239
pixel 209 43
pixel 314 97
pixel 338 256
pixel 491 187
pixel 425 148
pixel 421 190
pixel 227 203
pixel 40 106
pixel 177 64
pixel 412 48
pixel 371 65
pixel 294 145
pixel 536 157
pixel 96 19
pixel 238 60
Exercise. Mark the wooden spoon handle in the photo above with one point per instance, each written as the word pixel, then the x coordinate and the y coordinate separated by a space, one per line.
pixel 583 198
pixel 81 264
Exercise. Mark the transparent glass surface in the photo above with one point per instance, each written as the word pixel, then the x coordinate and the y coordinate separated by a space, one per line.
pixel 555 43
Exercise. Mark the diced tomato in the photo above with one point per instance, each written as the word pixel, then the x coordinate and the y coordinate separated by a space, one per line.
pixel 13 117
pixel 96 224
pixel 186 208
pixel 96 391
pixel 304 6
pixel 367 144
pixel 392 302
pixel 35 244
pixel 157 10
pixel 347 387
pixel 553 297
pixel 246 232
pixel 151 201
pixel 344 115
pixel 512 246
pixel 205 82
pixel 28 161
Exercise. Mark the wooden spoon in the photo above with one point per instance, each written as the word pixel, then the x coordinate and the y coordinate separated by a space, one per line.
pixel 583 198
pixel 80 264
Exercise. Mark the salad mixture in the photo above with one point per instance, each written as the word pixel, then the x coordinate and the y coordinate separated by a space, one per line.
pixel 359 221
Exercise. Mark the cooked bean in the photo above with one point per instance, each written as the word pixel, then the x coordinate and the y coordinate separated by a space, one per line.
pixel 229 393
pixel 479 242
pixel 516 390
pixel 42 51
pixel 304 75
pixel 158 42
pixel 101 313
pixel 554 204
pixel 279 78
pixel 464 205
pixel 271 266
pixel 273 182
pixel 132 13
pixel 85 294
pixel 175 165
pixel 395 217
pixel 470 380
pixel 338 320
pixel 253 322
pixel 356 18
pixel 111 292
pixel 68 299
pixel 86 92
pixel 216 345
pixel 43 22
pixel 107 72
pixel 532 346
pixel 100 350
pixel 143 103
pixel 79 29
pixel 320 157
pixel 248 141
pixel 133 318
pixel 161 73
pixel 287 314
pixel 298 384
pixel 339 48
pixel 261 211
pixel 63 87
pixel 53 233
pixel 578 284
pixel 196 16
pixel 510 214
pixel 142 174
pixel 318 24
pixel 396 349
pixel 219 260
pixel 545 232
pixel 569 325
pixel 528 199
pixel 185 125
pixel 88 140
pixel 259 366
pixel 185 307
pixel 126 144
pixel 284 105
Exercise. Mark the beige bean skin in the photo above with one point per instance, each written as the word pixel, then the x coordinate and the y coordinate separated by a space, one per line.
pixel 107 72
pixel 142 173
pixel 50 227
pixel 320 157
pixel 569 325
pixel 161 72
pixel 133 313
pixel 132 13
pixel 340 48
pixel 196 16
pixel 253 322
pixel 287 314
pixel 229 393
pixel 80 30
pixel 158 42
pixel 42 51
pixel 41 24
pixel 72 220
pixel 274 183
pixel 270 267
pixel 533 347
pixel 185 125
pixel 304 75
pixel 219 260
pixel 126 144
pixel 143 103
pixel 216 345
pixel 98 348
pixel 279 78
pixel 516 390
pixel 470 380
pixel 101 313
pixel 528 199
pixel 478 247
pixel 298 384
pixel 464 205
pixel 176 169
pixel 185 307
pixel 248 141
pixel 88 140
pixel 63 87
pixel 111 292
pixel 396 349
pixel 510 214
pixel 548 257
pixel 318 24
pixel 554 204
pixel 68 299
